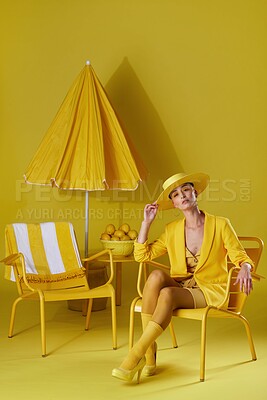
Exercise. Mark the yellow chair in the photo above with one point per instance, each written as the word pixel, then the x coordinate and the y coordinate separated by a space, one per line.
pixel 43 259
pixel 233 303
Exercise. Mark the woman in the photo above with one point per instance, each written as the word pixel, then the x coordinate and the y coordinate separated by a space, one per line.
pixel 197 246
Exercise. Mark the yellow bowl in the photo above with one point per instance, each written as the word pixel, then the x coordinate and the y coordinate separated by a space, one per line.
pixel 119 248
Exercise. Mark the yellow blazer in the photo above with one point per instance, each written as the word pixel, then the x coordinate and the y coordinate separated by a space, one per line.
pixel 211 272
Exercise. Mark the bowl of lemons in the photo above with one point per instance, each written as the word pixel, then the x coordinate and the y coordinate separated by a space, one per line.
pixel 120 241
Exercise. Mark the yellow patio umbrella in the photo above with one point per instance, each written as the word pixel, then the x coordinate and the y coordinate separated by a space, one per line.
pixel 85 147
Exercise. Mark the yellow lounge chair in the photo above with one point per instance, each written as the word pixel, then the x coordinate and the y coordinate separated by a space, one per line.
pixel 233 304
pixel 43 259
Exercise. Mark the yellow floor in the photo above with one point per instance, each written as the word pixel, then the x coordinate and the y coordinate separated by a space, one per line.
pixel 79 363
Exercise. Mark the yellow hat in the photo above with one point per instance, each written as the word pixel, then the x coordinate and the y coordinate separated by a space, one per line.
pixel 199 180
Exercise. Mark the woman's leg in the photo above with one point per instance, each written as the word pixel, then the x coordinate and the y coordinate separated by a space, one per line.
pixel 169 299
pixel 151 352
pixel 150 334
pixel 161 295
pixel 162 301
pixel 156 281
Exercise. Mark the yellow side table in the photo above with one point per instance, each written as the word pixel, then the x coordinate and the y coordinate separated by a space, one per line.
pixel 118 261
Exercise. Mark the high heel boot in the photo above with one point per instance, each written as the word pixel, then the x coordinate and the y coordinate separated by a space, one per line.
pixel 135 361
pixel 151 353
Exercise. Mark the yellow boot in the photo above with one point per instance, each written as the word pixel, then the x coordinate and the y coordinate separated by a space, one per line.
pixel 135 361
pixel 151 353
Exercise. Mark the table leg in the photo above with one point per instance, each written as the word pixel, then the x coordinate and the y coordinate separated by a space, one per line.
pixel 118 283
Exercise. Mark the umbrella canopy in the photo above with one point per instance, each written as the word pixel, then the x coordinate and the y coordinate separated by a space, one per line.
pixel 85 147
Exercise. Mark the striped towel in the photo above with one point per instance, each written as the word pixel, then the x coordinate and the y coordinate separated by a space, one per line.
pixel 48 248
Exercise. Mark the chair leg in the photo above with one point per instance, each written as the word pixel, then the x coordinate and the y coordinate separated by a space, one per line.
pixel 174 341
pixel 203 346
pixel 12 317
pixel 88 314
pixel 132 320
pixel 131 329
pixel 249 336
pixel 42 317
pixel 84 307
pixel 114 320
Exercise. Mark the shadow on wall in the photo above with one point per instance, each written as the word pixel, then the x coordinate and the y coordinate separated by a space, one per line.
pixel 142 122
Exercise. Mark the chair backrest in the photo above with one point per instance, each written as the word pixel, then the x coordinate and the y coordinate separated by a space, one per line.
pixel 49 249
pixel 253 247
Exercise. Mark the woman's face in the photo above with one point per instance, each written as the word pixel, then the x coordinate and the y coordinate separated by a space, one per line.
pixel 184 197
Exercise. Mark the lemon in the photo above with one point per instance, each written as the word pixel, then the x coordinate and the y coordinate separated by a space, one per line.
pixel 125 237
pixel 114 238
pixel 110 229
pixel 125 228
pixel 119 233
pixel 105 236
pixel 133 234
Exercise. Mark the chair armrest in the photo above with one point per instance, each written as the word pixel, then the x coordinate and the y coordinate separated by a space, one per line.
pixel 257 277
pixel 11 259
pixel 157 264
pixel 254 276
pixel 95 256
pixel 228 292
pixel 143 271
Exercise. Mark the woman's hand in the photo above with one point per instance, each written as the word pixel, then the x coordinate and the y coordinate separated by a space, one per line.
pixel 150 212
pixel 244 278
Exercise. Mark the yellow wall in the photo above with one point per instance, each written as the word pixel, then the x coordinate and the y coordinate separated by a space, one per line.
pixel 188 78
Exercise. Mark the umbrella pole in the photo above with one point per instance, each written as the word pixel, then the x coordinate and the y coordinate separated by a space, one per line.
pixel 86 222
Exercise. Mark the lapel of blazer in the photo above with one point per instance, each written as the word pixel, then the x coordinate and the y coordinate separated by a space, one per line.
pixel 209 233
